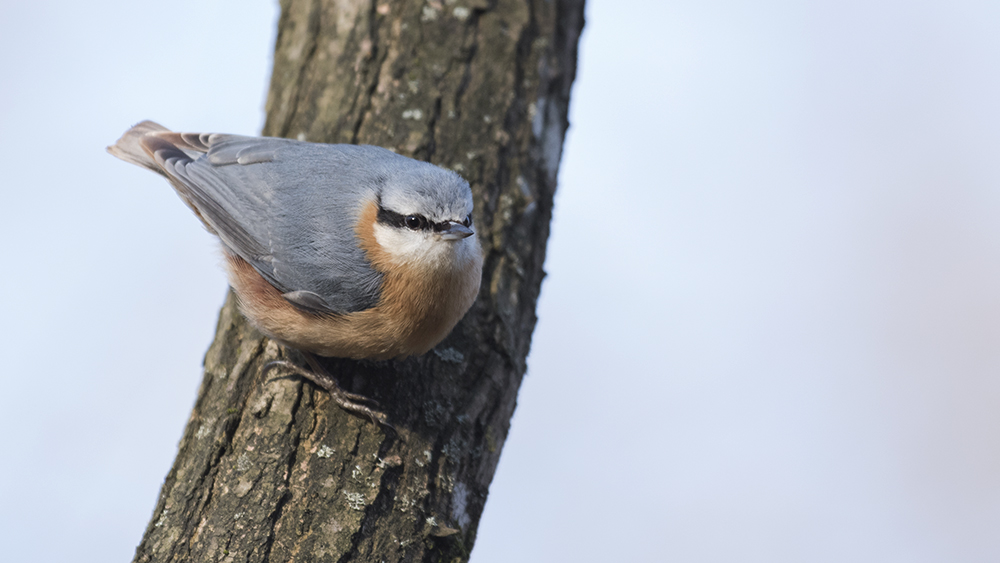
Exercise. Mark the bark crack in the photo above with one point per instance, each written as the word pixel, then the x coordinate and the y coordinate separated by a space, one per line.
pixel 296 438
pixel 466 79
pixel 196 507
pixel 314 26
pixel 379 56
pixel 379 507
pixel 272 519
pixel 431 128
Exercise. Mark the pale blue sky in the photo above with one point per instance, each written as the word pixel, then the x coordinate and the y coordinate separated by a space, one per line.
pixel 770 330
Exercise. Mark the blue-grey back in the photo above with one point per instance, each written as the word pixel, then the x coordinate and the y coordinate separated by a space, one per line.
pixel 290 209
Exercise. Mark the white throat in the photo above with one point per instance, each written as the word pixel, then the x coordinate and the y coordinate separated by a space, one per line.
pixel 424 249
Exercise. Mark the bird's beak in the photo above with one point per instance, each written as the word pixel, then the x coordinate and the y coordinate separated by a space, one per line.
pixel 455 231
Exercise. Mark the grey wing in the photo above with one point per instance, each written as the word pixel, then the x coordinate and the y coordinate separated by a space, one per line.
pixel 249 191
pixel 206 193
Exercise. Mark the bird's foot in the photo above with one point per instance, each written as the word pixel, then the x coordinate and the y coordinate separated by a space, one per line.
pixel 350 402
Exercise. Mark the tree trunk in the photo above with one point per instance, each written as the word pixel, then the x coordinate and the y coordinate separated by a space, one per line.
pixel 269 469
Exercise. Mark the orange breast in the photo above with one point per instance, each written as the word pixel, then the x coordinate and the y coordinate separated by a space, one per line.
pixel 416 310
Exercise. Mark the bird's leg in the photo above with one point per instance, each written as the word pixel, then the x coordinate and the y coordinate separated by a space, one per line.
pixel 350 402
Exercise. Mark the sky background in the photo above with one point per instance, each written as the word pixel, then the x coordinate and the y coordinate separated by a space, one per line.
pixel 770 330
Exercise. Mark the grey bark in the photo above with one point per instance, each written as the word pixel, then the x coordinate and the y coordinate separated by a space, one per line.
pixel 269 469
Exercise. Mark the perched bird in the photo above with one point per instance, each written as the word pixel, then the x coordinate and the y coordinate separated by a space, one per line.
pixel 337 250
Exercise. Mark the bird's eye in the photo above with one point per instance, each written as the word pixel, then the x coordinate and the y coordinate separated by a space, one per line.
pixel 414 222
pixel 468 221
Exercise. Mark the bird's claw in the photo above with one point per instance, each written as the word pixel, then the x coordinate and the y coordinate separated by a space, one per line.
pixel 350 402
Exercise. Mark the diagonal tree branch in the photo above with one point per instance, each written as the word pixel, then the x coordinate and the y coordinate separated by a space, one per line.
pixel 269 469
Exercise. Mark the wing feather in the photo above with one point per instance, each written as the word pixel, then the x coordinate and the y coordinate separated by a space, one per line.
pixel 289 213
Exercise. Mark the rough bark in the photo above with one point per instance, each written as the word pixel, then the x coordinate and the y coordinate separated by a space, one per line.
pixel 269 469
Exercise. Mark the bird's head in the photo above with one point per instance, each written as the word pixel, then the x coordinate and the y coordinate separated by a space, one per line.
pixel 425 217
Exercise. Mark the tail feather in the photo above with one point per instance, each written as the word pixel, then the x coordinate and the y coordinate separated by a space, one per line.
pixel 130 148
pixel 154 147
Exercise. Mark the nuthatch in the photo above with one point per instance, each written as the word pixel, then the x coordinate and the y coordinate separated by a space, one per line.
pixel 338 250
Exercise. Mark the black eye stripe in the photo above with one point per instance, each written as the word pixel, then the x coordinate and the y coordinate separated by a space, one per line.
pixel 400 221
pixel 414 222
pixel 391 218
